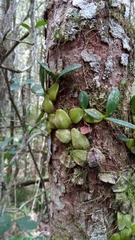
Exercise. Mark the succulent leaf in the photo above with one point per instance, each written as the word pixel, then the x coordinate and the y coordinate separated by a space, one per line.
pixel 53 91
pixel 112 101
pixel 88 119
pixel 132 104
pixel 48 127
pixel 76 114
pixel 125 234
pixel 98 116
pixel 130 143
pixel 62 120
pixel 115 236
pixel 63 135
pixel 121 122
pixel 83 99
pixel 133 229
pixel 48 105
pixel 79 141
pixel 79 156
pixel 51 118
pixel 68 69
pixel 133 118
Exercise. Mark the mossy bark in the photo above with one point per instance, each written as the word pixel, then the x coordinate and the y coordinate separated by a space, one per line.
pixel 87 33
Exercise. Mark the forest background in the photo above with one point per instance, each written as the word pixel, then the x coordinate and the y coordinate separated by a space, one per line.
pixel 23 168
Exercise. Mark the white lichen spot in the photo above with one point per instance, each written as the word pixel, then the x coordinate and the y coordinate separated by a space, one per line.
pixel 124 59
pixel 117 31
pixel 126 43
pixel 62 188
pixel 119 3
pixel 58 193
pixel 114 3
pixel 55 178
pixel 96 79
pixel 108 68
pixel 66 25
pixel 102 95
pixel 49 4
pixel 103 31
pixel 59 65
pixel 77 177
pixel 97 228
pixel 93 59
pixel 55 197
pixel 88 10
pixel 52 66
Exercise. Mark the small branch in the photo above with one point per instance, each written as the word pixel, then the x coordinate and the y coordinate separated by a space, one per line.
pixel 15 70
pixel 11 99
pixel 25 145
pixel 29 182
pixel 42 180
pixel 16 44
pixel 12 39
pixel 8 210
pixel 1 127
pixel 9 16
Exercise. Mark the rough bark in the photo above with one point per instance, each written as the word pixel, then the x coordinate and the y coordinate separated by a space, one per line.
pixel 96 34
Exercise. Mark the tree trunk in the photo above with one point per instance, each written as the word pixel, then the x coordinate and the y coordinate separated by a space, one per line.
pixel 97 35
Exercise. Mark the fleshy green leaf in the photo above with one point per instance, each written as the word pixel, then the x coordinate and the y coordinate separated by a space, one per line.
pixel 128 219
pixel 69 69
pixel 94 113
pixel 132 104
pixel 5 224
pixel 112 101
pixel 83 99
pixel 115 236
pixel 123 137
pixel 25 26
pixel 48 70
pixel 121 122
pixel 133 89
pixel 25 224
pixel 130 143
pixel 29 81
pixel 132 149
pixel 121 224
pixel 40 117
pixel 40 23
pixel 14 86
pixel 37 89
pixel 43 76
pixel 123 220
pixel 125 234
pixel 133 229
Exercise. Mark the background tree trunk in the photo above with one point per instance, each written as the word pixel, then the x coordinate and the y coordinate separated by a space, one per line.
pixel 96 35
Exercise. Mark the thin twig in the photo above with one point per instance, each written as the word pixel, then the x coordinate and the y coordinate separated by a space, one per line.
pixel 13 39
pixel 11 98
pixel 40 176
pixel 24 204
pixel 16 70
pixel 16 44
